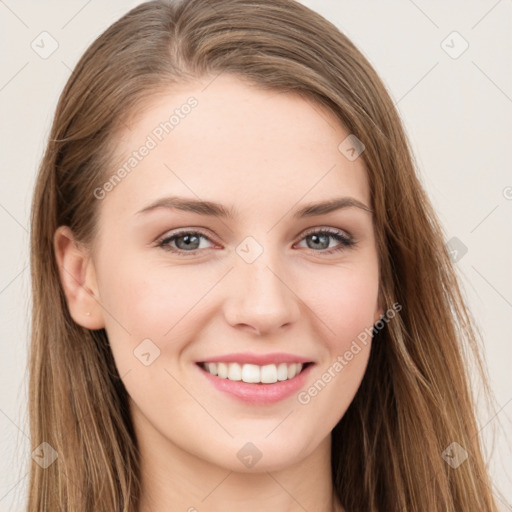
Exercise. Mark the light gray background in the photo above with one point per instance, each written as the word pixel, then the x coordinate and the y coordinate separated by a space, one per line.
pixel 457 113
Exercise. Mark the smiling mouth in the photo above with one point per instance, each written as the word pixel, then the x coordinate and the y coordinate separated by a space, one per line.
pixel 253 373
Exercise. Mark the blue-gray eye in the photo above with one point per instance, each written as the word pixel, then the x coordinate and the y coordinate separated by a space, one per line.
pixel 189 241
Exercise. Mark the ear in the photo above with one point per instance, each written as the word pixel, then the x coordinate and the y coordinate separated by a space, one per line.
pixel 379 312
pixel 78 278
pixel 378 315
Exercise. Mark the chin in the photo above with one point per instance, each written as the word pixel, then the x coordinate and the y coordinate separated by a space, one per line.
pixel 262 455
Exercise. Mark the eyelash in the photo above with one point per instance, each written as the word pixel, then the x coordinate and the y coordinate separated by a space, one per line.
pixel 345 241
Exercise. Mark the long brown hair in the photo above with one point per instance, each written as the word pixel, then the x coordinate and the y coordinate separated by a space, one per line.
pixel 415 398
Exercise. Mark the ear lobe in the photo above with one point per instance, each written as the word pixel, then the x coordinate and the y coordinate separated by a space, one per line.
pixel 78 280
pixel 379 314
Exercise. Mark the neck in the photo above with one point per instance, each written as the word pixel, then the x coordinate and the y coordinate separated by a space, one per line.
pixel 174 479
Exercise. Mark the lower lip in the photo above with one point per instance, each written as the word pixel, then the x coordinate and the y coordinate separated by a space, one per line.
pixel 258 393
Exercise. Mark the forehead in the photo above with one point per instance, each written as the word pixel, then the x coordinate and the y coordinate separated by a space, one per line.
pixel 232 142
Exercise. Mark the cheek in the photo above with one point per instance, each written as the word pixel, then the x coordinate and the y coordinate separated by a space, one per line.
pixel 346 305
pixel 147 294
pixel 345 300
pixel 346 308
pixel 150 300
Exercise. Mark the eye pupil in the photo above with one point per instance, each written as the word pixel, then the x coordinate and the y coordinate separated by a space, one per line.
pixel 187 240
pixel 316 237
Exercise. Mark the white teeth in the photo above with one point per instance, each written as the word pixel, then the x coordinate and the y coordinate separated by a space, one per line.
pixel 222 370
pixel 282 371
pixel 268 374
pixel 252 373
pixel 212 368
pixel 234 371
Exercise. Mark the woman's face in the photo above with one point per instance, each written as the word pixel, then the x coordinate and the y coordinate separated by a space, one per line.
pixel 261 281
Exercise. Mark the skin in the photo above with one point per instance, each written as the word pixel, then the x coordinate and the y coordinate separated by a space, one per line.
pixel 266 154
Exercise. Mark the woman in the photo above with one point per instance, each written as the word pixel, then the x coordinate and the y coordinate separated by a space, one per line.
pixel 193 347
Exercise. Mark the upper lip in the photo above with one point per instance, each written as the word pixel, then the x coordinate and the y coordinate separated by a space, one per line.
pixel 258 359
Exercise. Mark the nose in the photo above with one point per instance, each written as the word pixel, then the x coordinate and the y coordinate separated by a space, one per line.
pixel 261 299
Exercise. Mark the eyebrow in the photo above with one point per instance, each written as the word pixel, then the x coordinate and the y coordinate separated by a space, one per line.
pixel 214 209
